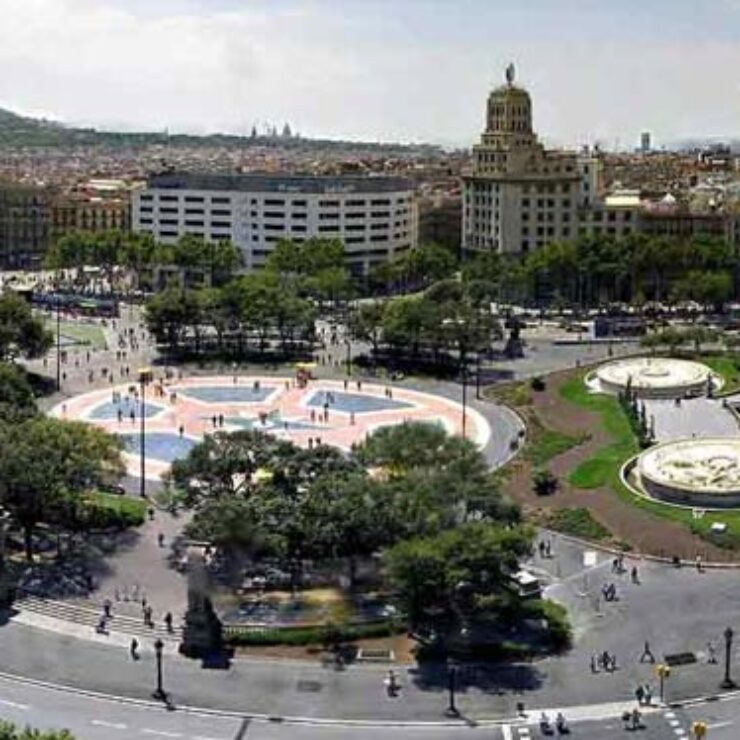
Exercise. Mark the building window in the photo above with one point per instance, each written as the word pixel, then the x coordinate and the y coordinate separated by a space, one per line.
pixel 329 204
pixel 274 202
pixel 194 199
pixel 219 199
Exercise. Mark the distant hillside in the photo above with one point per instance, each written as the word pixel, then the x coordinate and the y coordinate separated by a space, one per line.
pixel 21 131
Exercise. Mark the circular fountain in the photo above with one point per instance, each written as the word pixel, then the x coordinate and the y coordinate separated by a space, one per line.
pixel 691 472
pixel 655 377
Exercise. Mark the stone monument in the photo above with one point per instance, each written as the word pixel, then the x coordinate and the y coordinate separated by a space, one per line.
pixel 202 636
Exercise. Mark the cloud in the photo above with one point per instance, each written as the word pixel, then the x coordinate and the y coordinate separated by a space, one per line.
pixel 372 69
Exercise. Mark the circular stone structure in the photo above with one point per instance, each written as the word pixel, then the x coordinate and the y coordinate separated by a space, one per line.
pixel 178 413
pixel 692 472
pixel 656 377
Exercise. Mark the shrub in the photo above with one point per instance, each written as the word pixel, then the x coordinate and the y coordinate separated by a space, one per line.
pixel 537 384
pixel 544 482
pixel 317 635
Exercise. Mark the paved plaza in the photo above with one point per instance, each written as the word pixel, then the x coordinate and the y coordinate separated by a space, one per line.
pixel 180 412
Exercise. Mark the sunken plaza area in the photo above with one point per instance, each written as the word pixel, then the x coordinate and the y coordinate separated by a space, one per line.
pixel 180 412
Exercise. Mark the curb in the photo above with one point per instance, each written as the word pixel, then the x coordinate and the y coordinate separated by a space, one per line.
pixel 637 555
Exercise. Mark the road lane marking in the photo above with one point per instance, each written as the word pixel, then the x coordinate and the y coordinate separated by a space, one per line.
pixel 112 725
pixel 14 704
pixel 506 730
pixel 161 733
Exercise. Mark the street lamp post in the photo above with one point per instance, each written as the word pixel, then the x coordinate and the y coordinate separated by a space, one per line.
pixel 727 682
pixel 349 357
pixel 159 693
pixel 464 369
pixel 663 672
pixel 477 376
pixel 145 375
pixel 452 710
pixel 59 342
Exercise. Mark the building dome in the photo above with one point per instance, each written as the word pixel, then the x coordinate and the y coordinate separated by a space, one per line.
pixel 509 108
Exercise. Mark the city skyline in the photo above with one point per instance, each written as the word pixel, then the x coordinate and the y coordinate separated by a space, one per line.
pixel 367 70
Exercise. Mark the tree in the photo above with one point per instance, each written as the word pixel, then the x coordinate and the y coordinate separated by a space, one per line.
pixel 442 580
pixel 17 401
pixel 21 333
pixel 43 460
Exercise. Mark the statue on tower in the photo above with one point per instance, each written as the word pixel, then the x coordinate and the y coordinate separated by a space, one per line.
pixel 510 72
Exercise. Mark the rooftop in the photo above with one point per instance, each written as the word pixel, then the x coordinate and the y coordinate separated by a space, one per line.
pixel 281 183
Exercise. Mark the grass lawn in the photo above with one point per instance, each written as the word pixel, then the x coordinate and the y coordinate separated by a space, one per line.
pixel 134 507
pixel 727 367
pixel 88 334
pixel 543 443
pixel 602 469
pixel 577 522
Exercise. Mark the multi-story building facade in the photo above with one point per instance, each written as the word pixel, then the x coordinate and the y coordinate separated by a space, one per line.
pixel 77 212
pixel 376 218
pixel 518 196
pixel 25 226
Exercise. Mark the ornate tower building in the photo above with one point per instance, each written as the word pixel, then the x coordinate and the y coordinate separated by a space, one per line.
pixel 518 196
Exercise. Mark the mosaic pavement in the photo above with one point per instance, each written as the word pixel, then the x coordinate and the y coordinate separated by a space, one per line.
pixel 179 412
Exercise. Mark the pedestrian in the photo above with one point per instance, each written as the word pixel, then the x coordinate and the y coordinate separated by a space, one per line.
pixel 647 654
pixel 168 621
pixel 698 563
pixel 148 616
pixel 615 565
pixel 634 575
pixel 345 384
pixel 100 629
pixel 541 547
pixel 220 420
pixel 594 663
pixel 605 660
pixel 711 653
pixel 640 695
pixel 214 420
pixel 151 513
pixel 352 418
pixel 107 605
pixel 160 539
pixel 636 716
pixel 548 549
pixel 134 649
pixel 648 694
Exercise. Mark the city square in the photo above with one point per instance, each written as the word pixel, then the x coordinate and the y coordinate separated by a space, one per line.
pixel 369 368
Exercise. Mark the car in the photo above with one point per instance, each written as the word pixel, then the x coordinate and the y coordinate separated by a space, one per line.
pixel 116 489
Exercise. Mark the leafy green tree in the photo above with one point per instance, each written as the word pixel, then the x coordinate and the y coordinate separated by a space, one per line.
pixel 444 579
pixel 21 333
pixel 17 401
pixel 43 460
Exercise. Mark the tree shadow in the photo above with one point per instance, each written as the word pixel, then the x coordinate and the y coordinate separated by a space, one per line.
pixel 493 679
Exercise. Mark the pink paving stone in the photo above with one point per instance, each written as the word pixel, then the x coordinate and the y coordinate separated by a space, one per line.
pixel 285 398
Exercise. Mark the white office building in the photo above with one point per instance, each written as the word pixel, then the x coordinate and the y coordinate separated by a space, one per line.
pixel 376 218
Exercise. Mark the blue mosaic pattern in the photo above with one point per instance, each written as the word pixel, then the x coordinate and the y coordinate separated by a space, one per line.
pixel 355 402
pixel 271 424
pixel 226 393
pixel 109 410
pixel 163 446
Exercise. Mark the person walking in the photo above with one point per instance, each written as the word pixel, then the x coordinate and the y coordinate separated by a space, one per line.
pixel 647 654
pixel 168 621
pixel 134 649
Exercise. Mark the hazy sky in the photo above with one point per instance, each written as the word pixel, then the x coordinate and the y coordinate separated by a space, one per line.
pixel 409 70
